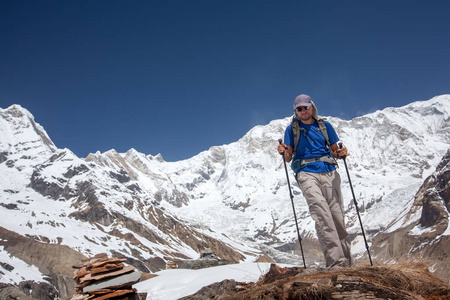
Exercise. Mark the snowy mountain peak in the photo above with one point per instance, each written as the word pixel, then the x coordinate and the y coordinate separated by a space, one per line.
pixel 19 133
pixel 24 144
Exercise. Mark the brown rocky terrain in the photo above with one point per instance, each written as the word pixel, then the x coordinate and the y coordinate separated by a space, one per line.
pixel 411 281
pixel 54 260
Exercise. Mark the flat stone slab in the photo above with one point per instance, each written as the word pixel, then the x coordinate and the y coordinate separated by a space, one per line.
pixel 114 282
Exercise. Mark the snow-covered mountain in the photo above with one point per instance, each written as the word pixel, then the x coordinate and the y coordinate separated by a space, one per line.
pixel 232 198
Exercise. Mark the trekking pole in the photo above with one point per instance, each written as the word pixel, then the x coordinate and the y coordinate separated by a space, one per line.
pixel 356 205
pixel 293 208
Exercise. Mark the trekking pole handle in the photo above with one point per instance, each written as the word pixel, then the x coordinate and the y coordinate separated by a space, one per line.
pixel 280 141
pixel 340 145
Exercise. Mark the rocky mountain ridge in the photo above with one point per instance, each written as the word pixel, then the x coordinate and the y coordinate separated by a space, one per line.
pixel 422 232
pixel 232 198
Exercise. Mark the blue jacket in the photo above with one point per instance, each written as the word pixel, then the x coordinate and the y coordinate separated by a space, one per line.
pixel 311 144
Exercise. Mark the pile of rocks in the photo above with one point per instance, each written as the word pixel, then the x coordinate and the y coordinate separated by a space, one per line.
pixel 102 278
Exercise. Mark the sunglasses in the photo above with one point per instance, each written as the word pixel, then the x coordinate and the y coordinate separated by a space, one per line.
pixel 300 108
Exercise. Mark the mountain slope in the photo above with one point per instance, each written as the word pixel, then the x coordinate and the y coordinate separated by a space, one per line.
pixel 422 232
pixel 232 198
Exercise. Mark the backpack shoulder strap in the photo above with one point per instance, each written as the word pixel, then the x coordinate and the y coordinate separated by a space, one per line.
pixel 323 129
pixel 296 133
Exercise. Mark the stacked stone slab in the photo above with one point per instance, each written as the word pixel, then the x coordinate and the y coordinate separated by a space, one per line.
pixel 102 278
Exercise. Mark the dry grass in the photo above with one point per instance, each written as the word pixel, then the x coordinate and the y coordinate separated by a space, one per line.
pixel 401 281
pixel 409 278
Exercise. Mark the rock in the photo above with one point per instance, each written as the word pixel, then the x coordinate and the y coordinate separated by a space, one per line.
pixel 103 278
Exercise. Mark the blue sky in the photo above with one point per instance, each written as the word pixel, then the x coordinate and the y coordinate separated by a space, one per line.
pixel 177 77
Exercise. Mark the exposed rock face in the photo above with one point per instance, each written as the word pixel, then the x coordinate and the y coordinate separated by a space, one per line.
pixel 10 292
pixel 53 260
pixel 95 212
pixel 436 198
pixel 423 238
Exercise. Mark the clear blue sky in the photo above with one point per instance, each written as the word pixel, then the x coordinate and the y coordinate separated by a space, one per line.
pixel 177 77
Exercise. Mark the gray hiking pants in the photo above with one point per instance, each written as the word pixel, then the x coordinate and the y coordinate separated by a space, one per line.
pixel 323 195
